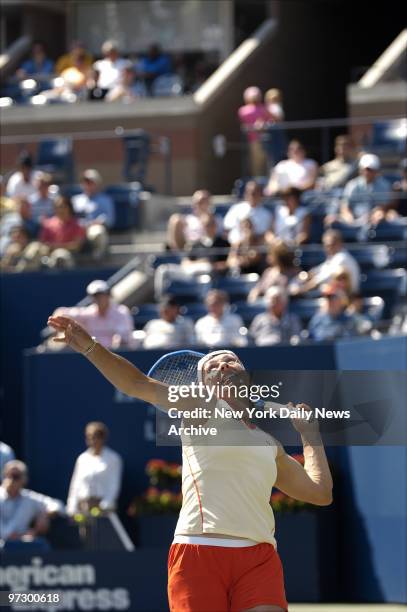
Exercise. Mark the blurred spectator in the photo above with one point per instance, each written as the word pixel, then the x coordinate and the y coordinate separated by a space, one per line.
pixel 68 60
pixel 7 205
pixel 208 255
pixel 96 212
pixel 26 217
pixel 108 71
pixel 110 323
pixel 399 320
pixel 96 478
pixel 210 248
pixel 247 255
pixel 295 171
pixel 42 203
pixel 253 116
pixel 276 324
pixel 337 258
pixel 281 271
pixel 38 65
pixel 77 80
pixel 60 238
pixel 22 182
pixel 274 140
pixel 23 513
pixel 184 229
pixel 365 195
pixel 13 259
pixel 6 455
pixel 337 172
pixel 398 206
pixel 291 220
pixel 152 65
pixel 251 208
pixel 363 324
pixel 219 327
pixel 171 330
pixel 332 321
pixel 126 90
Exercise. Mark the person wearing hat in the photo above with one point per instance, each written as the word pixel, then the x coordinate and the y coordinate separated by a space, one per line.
pixel 95 210
pixel 22 182
pixel 110 323
pixel 366 193
pixel 171 330
pixel 108 71
pixel 332 321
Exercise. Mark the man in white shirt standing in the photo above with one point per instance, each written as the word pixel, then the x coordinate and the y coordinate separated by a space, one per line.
pixel 337 258
pixel 251 208
pixel 97 474
pixel 219 327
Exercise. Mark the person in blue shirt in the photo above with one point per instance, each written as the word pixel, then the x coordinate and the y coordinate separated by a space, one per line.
pixel 154 64
pixel 95 211
pixel 332 321
pixel 366 194
pixel 38 64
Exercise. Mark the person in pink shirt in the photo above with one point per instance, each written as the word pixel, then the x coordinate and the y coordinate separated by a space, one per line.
pixel 60 239
pixel 253 116
pixel 110 323
pixel 62 230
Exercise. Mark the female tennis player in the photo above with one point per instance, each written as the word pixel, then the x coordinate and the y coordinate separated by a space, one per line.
pixel 223 557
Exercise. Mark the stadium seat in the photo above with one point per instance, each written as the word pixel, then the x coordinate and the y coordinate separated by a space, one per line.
pixel 389 137
pixel 310 257
pixel 157 260
pixel 71 190
pixel 371 255
pixel 193 290
pixel 248 311
pixel 126 200
pixel 388 231
pixel 137 153
pixel 55 156
pixel 143 313
pixel 351 233
pixel 167 85
pixel 388 284
pixel 304 308
pixel 237 287
pixel 194 311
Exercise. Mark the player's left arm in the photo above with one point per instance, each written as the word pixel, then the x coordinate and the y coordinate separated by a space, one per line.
pixel 313 482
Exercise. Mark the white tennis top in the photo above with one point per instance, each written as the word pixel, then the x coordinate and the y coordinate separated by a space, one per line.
pixel 226 489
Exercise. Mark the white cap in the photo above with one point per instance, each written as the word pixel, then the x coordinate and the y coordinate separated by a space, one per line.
pixel 205 358
pixel 92 175
pixel 97 286
pixel 369 160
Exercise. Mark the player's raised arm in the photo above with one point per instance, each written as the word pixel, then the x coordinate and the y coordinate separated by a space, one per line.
pixel 121 373
pixel 313 482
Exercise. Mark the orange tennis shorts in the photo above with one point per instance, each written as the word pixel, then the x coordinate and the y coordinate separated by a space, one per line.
pixel 220 579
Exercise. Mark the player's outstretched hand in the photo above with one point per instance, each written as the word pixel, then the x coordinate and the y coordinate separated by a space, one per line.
pixel 303 425
pixel 71 333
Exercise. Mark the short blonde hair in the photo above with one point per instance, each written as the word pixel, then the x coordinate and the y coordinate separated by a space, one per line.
pixel 273 94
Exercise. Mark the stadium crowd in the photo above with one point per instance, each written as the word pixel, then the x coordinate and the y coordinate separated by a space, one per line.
pixel 116 76
pixel 258 236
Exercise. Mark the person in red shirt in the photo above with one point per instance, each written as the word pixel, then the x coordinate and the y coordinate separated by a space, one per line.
pixel 60 238
pixel 63 229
